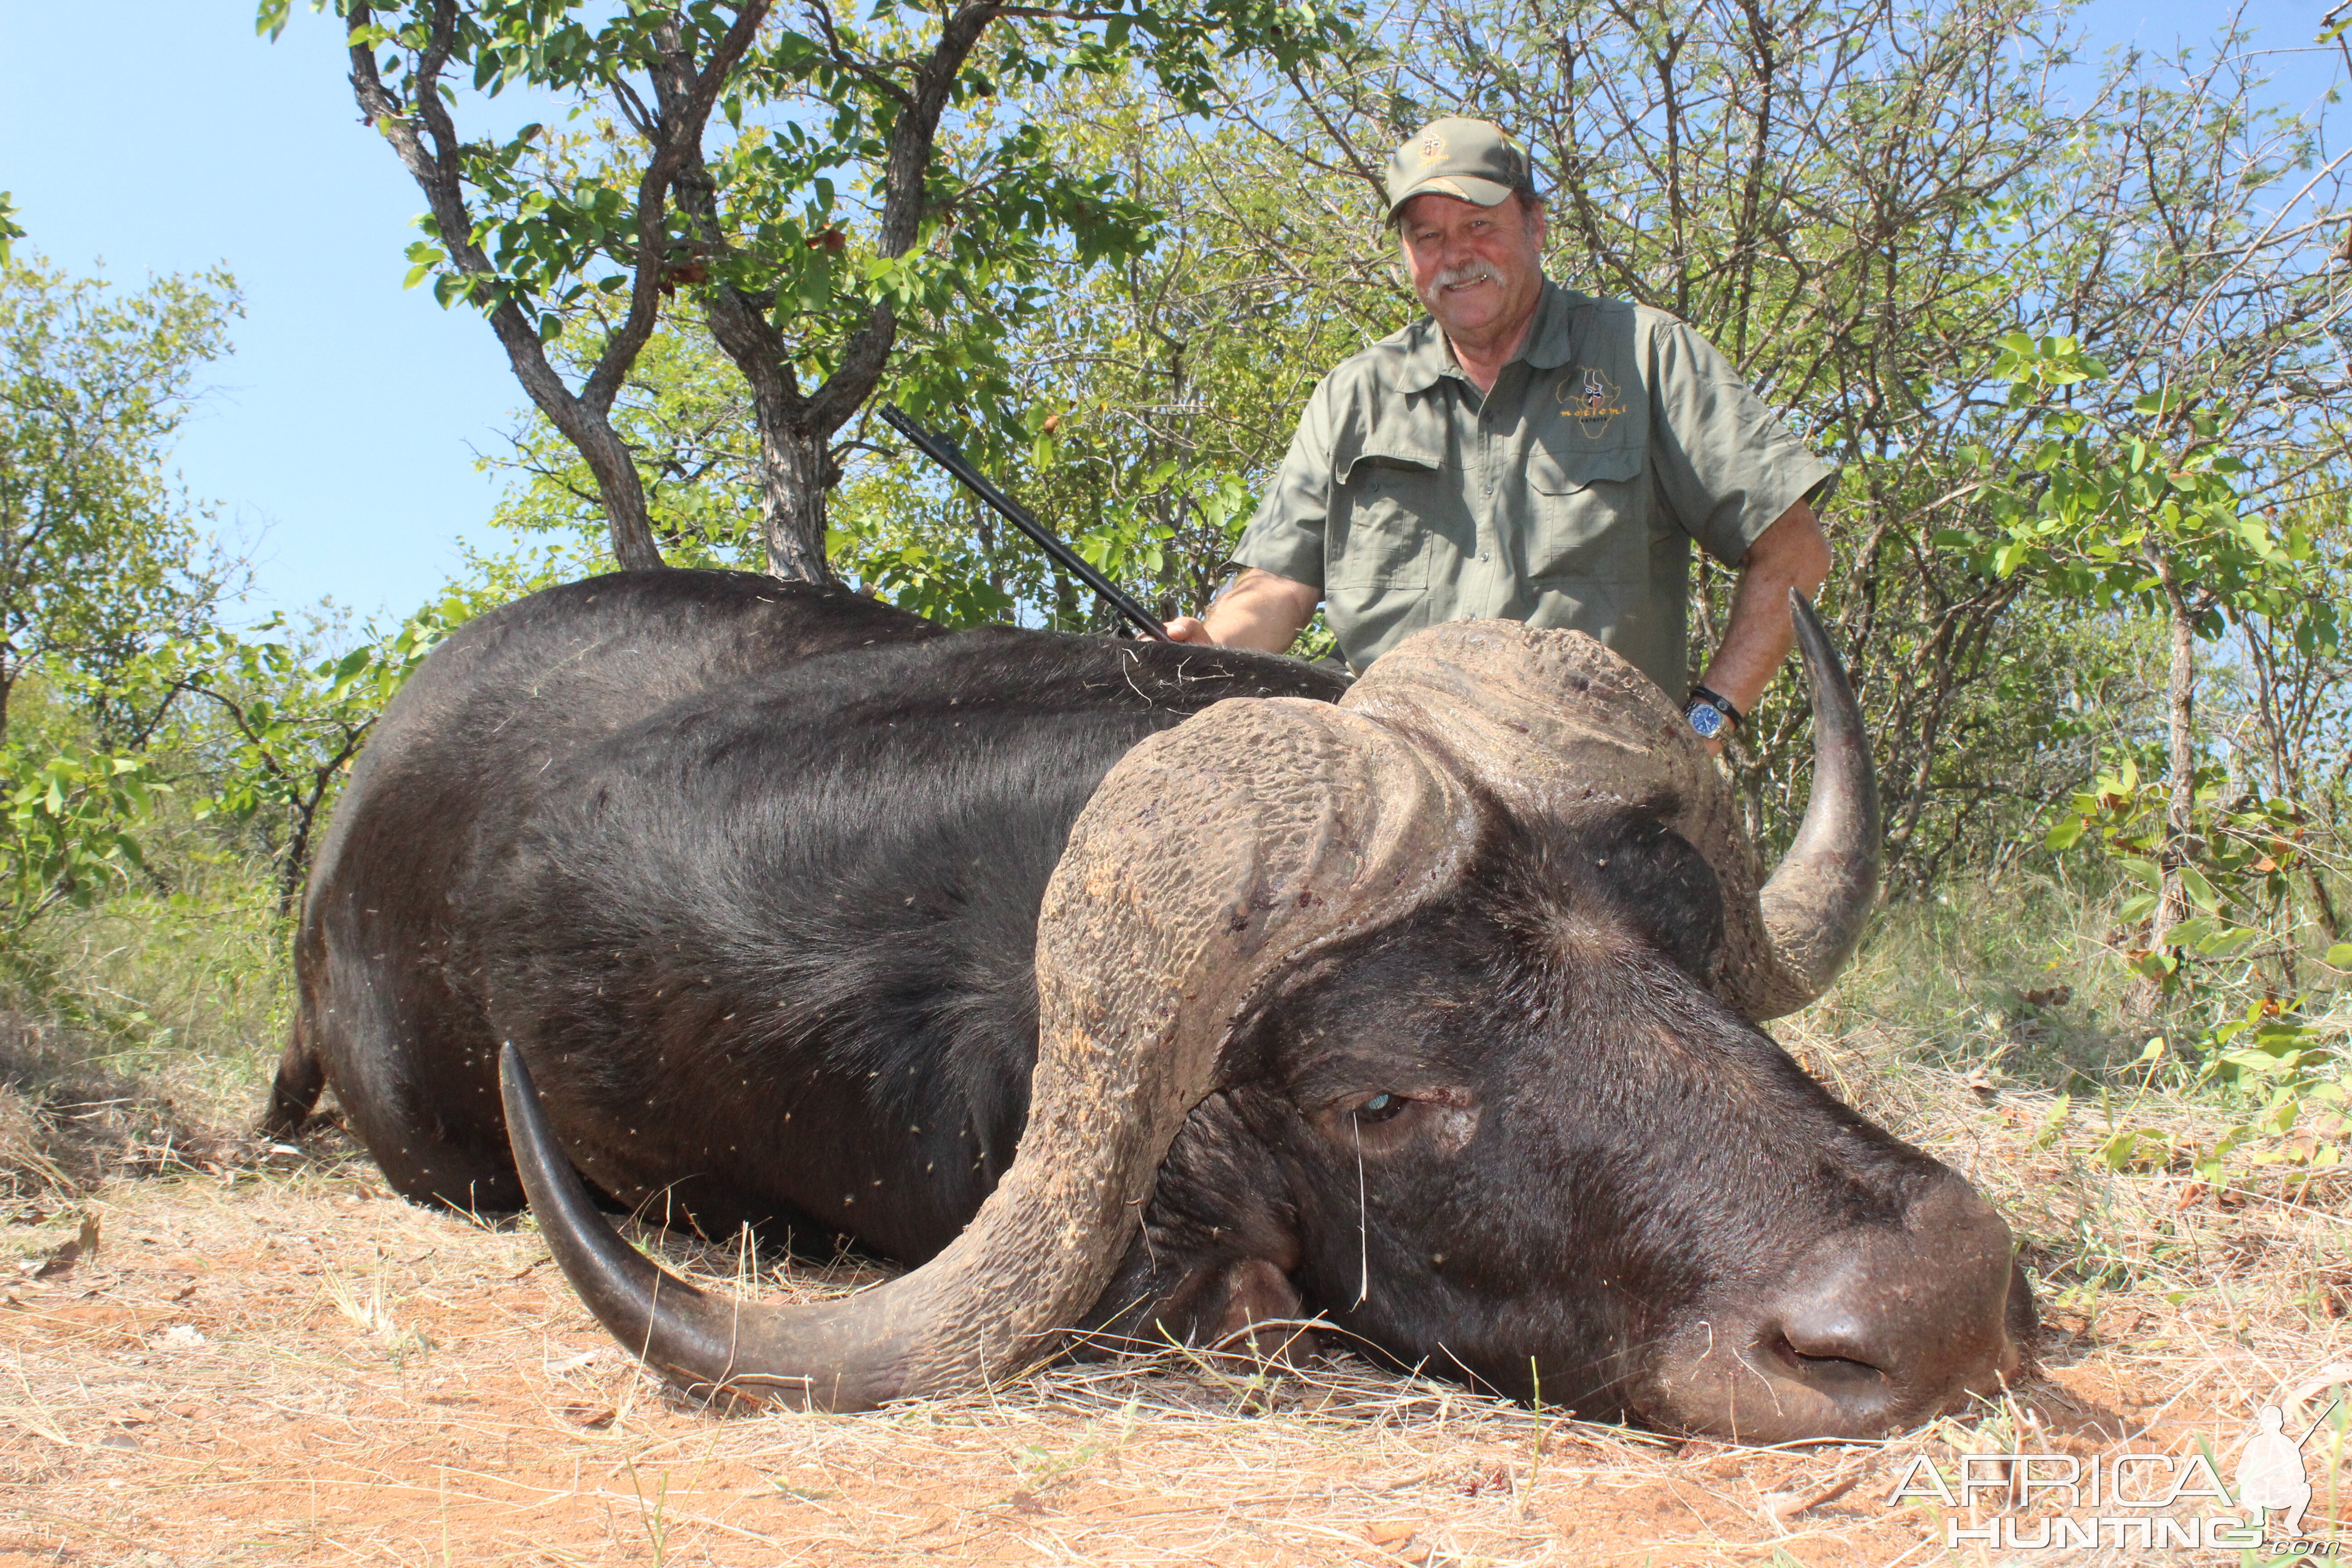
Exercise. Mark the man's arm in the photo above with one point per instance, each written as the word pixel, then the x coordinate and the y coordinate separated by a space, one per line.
pixel 1257 610
pixel 1791 554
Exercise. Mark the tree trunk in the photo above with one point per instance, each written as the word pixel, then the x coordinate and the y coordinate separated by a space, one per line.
pixel 295 872
pixel 797 467
pixel 2180 844
pixel 796 425
pixel 629 525
pixel 2324 904
pixel 795 445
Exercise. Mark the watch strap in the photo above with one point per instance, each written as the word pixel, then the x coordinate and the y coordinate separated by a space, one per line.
pixel 1702 696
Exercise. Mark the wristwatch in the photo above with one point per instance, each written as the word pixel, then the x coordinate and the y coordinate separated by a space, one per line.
pixel 1710 712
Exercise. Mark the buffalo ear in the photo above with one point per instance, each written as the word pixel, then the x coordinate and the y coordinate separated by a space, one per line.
pixel 1214 1301
pixel 1220 1240
pixel 1254 1309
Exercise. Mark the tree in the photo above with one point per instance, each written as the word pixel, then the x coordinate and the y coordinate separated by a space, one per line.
pixel 2147 515
pixel 819 234
pixel 809 294
pixel 272 726
pixel 1141 413
pixel 100 559
pixel 1137 414
pixel 520 241
pixel 685 415
pixel 2289 742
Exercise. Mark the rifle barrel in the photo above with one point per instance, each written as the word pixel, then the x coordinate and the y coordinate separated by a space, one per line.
pixel 945 453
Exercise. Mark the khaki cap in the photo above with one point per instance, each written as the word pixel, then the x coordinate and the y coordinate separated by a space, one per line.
pixel 1471 159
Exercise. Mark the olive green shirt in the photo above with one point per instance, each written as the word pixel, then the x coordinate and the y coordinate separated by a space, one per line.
pixel 1567 496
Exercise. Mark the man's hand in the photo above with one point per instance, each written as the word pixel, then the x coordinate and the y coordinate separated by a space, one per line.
pixel 1257 610
pixel 1791 554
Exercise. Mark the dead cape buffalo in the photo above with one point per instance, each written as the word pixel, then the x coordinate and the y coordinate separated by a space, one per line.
pixel 1131 989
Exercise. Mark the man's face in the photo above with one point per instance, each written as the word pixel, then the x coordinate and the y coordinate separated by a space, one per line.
pixel 1478 271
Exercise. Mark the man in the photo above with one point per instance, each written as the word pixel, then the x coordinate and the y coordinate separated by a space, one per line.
pixel 1527 453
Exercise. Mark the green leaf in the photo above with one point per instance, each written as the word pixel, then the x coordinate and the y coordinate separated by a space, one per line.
pixel 2225 940
pixel 2260 1063
pixel 2200 891
pixel 2189 932
pixel 2122 1151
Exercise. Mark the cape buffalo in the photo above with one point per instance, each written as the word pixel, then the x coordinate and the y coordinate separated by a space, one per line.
pixel 1427 1005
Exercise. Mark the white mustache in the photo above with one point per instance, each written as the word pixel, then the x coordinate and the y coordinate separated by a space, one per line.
pixel 1466 272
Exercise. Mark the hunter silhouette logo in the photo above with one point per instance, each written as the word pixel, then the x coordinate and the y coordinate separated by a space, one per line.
pixel 2270 1469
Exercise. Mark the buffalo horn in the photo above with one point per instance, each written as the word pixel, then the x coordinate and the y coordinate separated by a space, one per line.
pixel 1820 894
pixel 1212 859
pixel 1555 727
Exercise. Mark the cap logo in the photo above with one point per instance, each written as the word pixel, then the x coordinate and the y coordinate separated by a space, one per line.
pixel 1432 148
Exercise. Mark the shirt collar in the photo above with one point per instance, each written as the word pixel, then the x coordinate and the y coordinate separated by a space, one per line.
pixel 1429 358
pixel 1551 342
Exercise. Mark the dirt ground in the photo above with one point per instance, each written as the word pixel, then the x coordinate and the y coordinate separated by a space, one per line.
pixel 283 1365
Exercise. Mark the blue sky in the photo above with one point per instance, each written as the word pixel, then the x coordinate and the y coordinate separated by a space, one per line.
pixel 339 440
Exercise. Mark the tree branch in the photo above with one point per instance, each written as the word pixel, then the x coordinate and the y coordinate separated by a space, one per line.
pixel 684 112
pixel 439 174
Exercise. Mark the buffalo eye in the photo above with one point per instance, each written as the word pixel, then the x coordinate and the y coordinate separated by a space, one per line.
pixel 1436 1117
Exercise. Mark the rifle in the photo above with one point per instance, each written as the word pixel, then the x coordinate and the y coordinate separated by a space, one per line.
pixel 943 452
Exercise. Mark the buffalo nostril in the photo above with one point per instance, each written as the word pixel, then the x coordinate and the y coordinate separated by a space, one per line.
pixel 1832 1364
pixel 1873 1327
pixel 1922 1305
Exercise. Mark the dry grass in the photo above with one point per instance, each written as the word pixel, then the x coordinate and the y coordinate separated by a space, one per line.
pixel 293 1367
pixel 73 1114
pixel 135 1037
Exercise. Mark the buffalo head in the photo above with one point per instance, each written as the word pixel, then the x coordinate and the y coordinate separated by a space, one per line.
pixel 1457 982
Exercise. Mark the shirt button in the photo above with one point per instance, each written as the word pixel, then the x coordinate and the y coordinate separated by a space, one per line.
pixel 1482 555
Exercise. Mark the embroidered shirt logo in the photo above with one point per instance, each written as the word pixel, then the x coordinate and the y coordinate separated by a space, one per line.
pixel 1588 396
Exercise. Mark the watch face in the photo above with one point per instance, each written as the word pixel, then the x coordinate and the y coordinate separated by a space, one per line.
pixel 1704 718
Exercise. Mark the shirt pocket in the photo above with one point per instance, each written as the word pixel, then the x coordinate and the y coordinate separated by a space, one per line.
pixel 1391 501
pixel 1586 514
